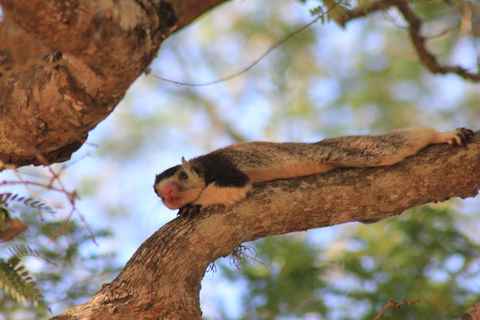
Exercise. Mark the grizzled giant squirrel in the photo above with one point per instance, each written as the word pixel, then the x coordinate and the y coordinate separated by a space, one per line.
pixel 226 175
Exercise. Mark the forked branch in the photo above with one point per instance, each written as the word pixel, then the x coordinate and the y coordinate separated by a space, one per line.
pixel 415 24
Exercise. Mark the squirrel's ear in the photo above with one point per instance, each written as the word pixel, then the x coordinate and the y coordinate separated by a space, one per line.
pixel 186 165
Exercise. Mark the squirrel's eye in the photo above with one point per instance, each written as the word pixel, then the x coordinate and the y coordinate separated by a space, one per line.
pixel 183 175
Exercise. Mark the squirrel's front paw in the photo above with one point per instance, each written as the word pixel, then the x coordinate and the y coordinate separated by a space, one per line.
pixel 189 211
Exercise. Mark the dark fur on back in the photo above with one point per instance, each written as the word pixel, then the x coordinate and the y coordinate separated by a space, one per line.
pixel 215 167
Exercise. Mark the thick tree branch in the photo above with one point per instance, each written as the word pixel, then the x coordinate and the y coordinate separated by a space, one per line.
pixel 473 313
pixel 65 65
pixel 162 279
pixel 190 10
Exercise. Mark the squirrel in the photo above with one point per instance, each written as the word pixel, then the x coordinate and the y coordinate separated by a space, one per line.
pixel 226 175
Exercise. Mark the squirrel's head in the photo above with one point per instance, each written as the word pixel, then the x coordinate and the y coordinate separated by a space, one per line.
pixel 179 185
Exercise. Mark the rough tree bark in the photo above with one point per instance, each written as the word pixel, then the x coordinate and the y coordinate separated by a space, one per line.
pixel 162 279
pixel 65 65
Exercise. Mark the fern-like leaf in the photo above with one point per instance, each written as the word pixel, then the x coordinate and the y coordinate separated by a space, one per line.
pixel 20 251
pixel 5 198
pixel 15 281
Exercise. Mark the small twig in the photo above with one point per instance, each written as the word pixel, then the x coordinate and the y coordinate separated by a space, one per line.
pixel 236 74
pixel 391 304
pixel 33 174
pixel 242 252
pixel 444 32
pixel 54 183
pixel 212 269
pixel 32 192
pixel 364 10
pixel 27 185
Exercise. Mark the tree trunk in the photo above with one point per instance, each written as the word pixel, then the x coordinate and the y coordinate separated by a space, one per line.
pixel 162 279
pixel 65 65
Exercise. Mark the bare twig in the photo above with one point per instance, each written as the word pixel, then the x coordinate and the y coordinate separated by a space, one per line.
pixel 209 106
pixel 391 304
pixel 50 182
pixel 241 253
pixel 418 40
pixel 415 24
pixel 236 74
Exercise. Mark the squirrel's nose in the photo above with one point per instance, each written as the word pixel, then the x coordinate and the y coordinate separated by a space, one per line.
pixel 166 190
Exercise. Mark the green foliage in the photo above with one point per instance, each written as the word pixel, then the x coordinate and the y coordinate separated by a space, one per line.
pixel 65 282
pixel 78 271
pixel 285 282
pixel 331 9
pixel 420 255
pixel 15 279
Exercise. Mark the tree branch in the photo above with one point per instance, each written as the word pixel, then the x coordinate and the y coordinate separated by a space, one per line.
pixel 473 313
pixel 425 56
pixel 392 304
pixel 65 65
pixel 415 24
pixel 162 279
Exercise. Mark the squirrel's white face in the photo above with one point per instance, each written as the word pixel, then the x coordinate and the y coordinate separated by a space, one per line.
pixel 178 186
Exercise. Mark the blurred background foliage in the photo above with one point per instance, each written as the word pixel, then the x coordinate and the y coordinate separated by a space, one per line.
pixel 325 81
